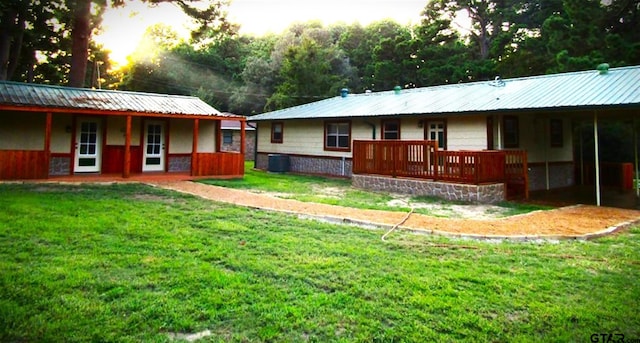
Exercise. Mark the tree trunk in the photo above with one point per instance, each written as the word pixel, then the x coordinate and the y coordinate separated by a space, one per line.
pixel 80 40
pixel 7 19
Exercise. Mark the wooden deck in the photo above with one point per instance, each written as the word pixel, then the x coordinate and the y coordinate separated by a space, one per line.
pixel 422 159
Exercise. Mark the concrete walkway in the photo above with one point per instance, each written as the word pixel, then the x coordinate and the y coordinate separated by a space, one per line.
pixel 573 222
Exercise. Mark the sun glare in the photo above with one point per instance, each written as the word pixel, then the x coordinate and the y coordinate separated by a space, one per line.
pixel 123 28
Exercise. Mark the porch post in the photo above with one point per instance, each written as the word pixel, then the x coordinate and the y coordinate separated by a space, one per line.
pixel 242 138
pixel 47 143
pixel 126 170
pixel 635 153
pixel 597 158
pixel 194 147
pixel 218 135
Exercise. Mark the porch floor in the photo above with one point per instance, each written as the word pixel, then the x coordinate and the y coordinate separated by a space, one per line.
pixel 610 197
pixel 138 177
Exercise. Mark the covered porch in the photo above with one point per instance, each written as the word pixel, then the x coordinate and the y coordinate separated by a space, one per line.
pixel 52 132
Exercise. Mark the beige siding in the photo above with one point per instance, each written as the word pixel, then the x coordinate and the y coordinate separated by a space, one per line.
pixel 306 137
pixel 22 131
pixel 535 138
pixel 410 128
pixel 181 136
pixel 61 134
pixel 467 133
pixel 207 136
pixel 116 130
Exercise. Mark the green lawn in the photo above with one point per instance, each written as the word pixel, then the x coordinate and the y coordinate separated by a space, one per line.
pixel 131 263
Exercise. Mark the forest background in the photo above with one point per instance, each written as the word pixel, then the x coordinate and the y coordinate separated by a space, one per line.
pixel 309 61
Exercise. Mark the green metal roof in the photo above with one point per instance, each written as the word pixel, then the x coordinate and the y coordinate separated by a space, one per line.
pixel 586 89
pixel 17 95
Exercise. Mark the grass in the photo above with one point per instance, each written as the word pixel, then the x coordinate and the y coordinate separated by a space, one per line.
pixel 338 191
pixel 131 263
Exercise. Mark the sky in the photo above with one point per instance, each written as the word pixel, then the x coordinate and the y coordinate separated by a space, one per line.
pixel 123 28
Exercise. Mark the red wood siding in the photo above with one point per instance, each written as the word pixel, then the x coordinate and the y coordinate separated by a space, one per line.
pixel 218 164
pixel 23 164
pixel 113 159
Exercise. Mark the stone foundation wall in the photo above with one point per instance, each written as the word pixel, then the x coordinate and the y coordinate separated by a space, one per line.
pixel 487 194
pixel 560 175
pixel 250 141
pixel 179 163
pixel 59 166
pixel 311 165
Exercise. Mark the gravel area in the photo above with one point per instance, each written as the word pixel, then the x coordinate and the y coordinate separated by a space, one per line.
pixel 579 221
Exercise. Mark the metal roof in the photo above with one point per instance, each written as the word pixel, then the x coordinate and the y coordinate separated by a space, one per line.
pixel 585 89
pixel 16 94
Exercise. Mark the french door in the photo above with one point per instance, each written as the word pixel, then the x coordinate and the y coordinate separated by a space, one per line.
pixel 88 146
pixel 153 157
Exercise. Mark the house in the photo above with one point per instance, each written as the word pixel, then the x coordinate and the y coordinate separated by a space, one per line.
pixel 49 131
pixel 532 115
pixel 232 137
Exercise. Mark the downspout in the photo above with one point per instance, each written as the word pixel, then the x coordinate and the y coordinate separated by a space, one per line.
pixel 255 145
pixel 499 132
pixel 596 155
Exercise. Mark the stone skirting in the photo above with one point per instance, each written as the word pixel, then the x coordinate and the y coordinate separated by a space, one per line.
pixel 179 163
pixel 334 166
pixel 59 166
pixel 488 194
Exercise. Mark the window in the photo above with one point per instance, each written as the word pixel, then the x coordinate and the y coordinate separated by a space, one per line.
pixel 390 129
pixel 555 133
pixel 277 130
pixel 337 136
pixel 437 131
pixel 227 137
pixel 511 132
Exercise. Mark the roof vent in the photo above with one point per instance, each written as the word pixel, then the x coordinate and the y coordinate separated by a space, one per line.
pixel 344 92
pixel 603 68
pixel 397 89
pixel 497 82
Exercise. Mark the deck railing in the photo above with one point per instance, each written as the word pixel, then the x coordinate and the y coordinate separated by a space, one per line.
pixel 422 159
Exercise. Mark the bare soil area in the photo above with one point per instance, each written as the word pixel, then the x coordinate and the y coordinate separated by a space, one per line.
pixel 565 222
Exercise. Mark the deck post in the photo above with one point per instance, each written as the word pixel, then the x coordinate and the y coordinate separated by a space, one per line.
pixel 126 169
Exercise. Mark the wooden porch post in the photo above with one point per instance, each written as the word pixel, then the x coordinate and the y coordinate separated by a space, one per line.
pixel 218 135
pixel 47 144
pixel 243 138
pixel 194 147
pixel 126 170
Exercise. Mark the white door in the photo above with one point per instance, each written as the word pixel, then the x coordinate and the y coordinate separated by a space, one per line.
pixel 153 157
pixel 88 141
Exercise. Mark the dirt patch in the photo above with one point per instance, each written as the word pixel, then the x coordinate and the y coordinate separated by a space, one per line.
pixel 467 211
pixel 567 222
